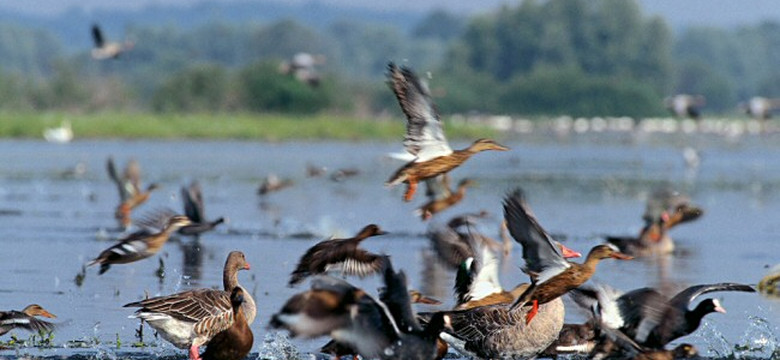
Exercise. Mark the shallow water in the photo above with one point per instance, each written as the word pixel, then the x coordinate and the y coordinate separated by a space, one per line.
pixel 581 187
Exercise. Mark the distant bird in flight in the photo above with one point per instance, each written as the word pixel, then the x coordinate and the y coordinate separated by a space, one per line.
pixel 107 50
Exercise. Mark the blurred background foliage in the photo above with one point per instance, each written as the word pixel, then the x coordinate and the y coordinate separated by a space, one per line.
pixel 575 57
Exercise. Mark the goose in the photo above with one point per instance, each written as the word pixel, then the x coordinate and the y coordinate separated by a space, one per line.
pixel 192 318
pixel 235 342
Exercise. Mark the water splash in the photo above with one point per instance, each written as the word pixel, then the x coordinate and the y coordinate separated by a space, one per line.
pixel 717 345
pixel 758 341
pixel 277 346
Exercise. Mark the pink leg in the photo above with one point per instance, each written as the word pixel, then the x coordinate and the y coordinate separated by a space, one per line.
pixel 194 352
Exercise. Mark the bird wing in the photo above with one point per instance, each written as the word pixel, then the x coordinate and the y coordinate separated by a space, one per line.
pixel 97 36
pixel 125 191
pixel 133 175
pixel 438 187
pixel 449 245
pixel 395 296
pixel 424 134
pixel 642 310
pixel 541 255
pixel 193 202
pixel 333 254
pixel 486 265
pixel 210 310
pixel 153 221
pixel 685 297
pixel 17 319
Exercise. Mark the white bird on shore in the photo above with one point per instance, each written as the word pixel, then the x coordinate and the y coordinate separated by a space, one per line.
pixel 59 135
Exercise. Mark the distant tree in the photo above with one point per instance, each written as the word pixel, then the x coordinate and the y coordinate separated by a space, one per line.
pixel 264 89
pixel 201 88
pixel 439 24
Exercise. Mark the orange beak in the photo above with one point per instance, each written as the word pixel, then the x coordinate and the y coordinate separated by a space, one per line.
pixel 247 267
pixel 621 256
pixel 47 314
pixel 569 253
pixel 428 300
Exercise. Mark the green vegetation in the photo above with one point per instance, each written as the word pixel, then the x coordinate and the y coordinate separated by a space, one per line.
pixel 539 57
pixel 269 127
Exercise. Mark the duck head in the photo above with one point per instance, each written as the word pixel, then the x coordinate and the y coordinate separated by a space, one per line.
pixel 37 310
pixel 487 144
pixel 370 230
pixel 606 251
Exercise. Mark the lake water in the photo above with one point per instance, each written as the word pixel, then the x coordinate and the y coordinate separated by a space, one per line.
pixel 580 187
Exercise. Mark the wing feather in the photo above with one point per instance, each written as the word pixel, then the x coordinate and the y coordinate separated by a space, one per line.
pixel 424 134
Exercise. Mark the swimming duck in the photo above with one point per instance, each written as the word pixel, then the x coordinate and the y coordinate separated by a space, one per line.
pixel 193 209
pixel 684 105
pixel 138 245
pixel 424 134
pixel 26 319
pixel 130 193
pixel 552 276
pixel 235 342
pixel 59 135
pixel 107 50
pixel 440 197
pixel 665 210
pixel 192 318
pixel 340 253
pixel 273 183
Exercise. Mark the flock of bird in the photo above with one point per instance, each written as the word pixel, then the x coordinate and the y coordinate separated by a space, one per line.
pixel 487 321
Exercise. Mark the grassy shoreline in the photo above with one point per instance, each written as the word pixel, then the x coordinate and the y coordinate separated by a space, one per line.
pixel 269 127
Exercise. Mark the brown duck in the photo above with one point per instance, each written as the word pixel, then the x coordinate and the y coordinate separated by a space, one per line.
pixel 26 319
pixel 424 134
pixel 129 185
pixel 665 210
pixel 343 253
pixel 552 276
pixel 139 245
pixel 440 196
pixel 235 342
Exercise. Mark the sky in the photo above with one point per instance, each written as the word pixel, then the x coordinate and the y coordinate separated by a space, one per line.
pixel 677 12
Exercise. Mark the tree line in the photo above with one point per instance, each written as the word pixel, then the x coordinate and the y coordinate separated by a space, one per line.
pixel 576 57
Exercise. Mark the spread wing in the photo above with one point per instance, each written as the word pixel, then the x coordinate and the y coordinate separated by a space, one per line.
pixel 541 255
pixel 335 254
pixel 18 320
pixel 450 247
pixel 193 203
pixel 424 134
pixel 684 298
pixel 97 36
pixel 642 311
pixel 395 296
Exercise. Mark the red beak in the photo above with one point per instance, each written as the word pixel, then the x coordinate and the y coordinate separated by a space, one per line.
pixel 247 267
